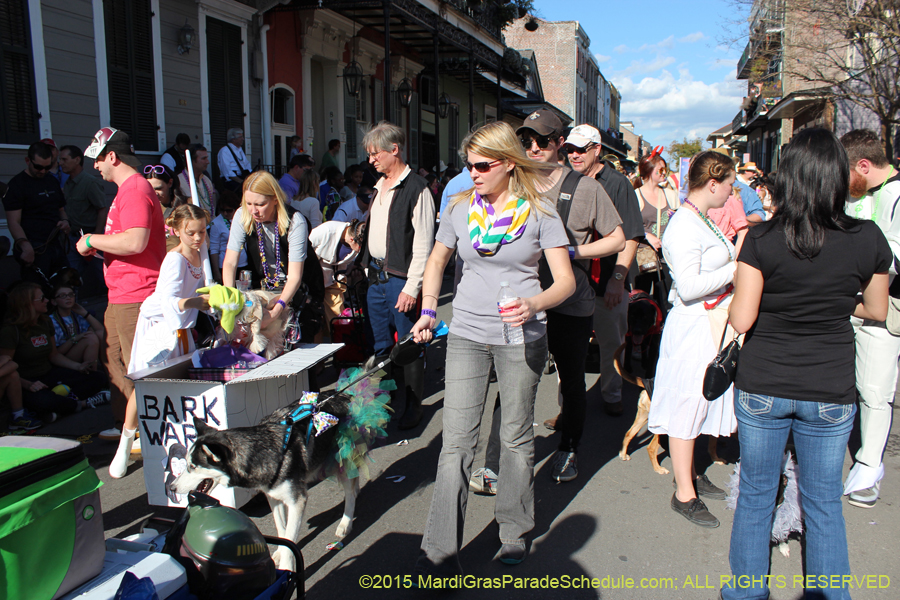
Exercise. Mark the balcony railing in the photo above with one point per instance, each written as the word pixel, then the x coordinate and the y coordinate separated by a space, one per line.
pixel 743 67
pixel 483 14
pixel 737 121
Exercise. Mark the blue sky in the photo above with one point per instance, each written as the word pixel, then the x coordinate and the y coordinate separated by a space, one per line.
pixel 676 80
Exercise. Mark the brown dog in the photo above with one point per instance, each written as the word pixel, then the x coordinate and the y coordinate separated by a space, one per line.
pixel 643 413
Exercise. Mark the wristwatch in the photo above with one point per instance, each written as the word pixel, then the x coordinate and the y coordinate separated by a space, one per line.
pixel 618 276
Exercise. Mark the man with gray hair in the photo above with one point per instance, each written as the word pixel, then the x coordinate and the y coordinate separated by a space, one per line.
pixel 396 247
pixel 234 166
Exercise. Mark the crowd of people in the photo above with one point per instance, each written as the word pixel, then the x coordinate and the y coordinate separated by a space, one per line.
pixel 797 265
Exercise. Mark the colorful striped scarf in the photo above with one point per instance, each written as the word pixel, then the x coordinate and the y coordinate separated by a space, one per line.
pixel 489 230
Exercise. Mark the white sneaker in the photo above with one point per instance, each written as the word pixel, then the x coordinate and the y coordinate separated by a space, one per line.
pixel 112 434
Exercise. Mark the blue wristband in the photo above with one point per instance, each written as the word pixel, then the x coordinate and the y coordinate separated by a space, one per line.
pixel 281 302
pixel 571 250
pixel 429 313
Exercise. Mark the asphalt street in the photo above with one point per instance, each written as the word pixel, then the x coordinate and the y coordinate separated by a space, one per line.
pixel 610 531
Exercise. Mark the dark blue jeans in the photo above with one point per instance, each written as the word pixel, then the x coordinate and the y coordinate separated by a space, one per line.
pixel 821 431
pixel 383 317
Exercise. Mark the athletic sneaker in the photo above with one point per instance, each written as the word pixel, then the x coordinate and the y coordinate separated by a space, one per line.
pixel 565 468
pixel 694 511
pixel 98 399
pixel 865 498
pixel 484 482
pixel 27 422
pixel 112 434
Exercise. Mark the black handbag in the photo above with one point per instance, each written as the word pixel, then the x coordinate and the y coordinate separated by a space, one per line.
pixel 720 372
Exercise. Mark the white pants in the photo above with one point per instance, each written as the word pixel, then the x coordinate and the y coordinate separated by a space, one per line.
pixel 610 327
pixel 877 352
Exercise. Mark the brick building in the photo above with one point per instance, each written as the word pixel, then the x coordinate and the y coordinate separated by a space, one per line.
pixel 569 72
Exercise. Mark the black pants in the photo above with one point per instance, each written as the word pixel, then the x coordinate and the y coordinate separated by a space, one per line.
pixel 83 385
pixel 567 339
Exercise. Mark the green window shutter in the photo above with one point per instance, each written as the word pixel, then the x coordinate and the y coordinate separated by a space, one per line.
pixel 18 97
pixel 414 131
pixel 378 103
pixel 129 60
pixel 350 125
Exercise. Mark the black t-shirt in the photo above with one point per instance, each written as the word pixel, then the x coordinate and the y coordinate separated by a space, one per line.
pixel 801 346
pixel 39 200
pixel 625 200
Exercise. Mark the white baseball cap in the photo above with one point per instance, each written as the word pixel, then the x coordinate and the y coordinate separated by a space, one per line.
pixel 583 135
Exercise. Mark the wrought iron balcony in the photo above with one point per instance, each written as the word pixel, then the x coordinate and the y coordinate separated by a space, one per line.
pixel 743 66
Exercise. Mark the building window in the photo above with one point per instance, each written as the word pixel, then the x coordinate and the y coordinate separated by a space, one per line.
pixel 224 49
pixel 18 98
pixel 129 60
pixel 282 106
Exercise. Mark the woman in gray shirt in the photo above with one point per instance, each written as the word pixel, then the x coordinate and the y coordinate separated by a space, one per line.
pixel 501 228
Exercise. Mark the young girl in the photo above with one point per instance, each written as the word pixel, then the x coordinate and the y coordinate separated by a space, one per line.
pixel 219 232
pixel 77 332
pixel 167 315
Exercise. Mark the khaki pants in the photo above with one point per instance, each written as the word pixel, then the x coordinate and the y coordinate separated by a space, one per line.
pixel 333 304
pixel 120 322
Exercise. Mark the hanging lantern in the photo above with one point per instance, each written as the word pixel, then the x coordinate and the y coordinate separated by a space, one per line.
pixel 353 76
pixel 443 105
pixel 404 92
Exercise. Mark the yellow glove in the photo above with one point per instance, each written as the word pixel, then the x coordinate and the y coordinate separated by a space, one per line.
pixel 228 300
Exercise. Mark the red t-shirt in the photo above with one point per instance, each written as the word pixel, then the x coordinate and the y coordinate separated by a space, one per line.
pixel 131 279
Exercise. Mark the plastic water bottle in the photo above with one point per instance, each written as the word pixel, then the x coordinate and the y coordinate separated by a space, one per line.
pixel 511 335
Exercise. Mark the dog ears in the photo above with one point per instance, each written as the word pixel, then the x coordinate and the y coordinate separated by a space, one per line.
pixel 216 453
pixel 201 426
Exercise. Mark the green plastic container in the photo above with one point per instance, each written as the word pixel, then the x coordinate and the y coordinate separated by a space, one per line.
pixel 51 524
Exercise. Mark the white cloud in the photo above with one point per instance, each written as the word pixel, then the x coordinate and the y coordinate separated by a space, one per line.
pixel 601 58
pixel 722 63
pixel 694 37
pixel 638 67
pixel 670 107
pixel 661 45
pixel 621 49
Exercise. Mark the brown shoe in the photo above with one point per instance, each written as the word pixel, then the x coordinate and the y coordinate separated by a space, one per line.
pixel 551 423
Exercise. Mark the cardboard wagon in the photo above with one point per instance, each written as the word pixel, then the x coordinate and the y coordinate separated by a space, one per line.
pixel 168 401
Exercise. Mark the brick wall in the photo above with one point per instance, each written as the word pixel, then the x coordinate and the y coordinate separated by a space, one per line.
pixel 555 49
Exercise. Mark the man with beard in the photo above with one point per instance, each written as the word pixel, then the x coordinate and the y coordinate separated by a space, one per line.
pixel 875 191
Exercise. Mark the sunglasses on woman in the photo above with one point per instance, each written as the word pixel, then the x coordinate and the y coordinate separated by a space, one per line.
pixel 155 169
pixel 542 141
pixel 482 167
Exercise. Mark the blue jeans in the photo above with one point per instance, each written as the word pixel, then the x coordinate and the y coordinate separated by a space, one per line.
pixel 468 375
pixel 821 431
pixel 384 318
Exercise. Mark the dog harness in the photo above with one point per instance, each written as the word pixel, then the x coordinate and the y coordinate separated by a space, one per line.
pixel 636 295
pixel 307 407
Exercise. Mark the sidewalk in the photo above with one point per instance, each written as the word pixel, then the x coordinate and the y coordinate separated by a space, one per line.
pixel 613 523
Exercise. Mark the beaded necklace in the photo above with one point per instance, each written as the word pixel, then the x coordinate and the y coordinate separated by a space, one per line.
pixel 270 282
pixel 711 226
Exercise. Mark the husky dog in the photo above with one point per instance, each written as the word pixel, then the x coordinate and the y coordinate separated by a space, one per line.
pixel 271 339
pixel 261 458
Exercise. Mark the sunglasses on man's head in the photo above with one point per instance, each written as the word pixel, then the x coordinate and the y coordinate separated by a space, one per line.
pixel 542 141
pixel 482 167
pixel 570 148
pixel 155 169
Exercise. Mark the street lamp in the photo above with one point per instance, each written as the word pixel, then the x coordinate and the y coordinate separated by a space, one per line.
pixel 353 76
pixel 404 92
pixel 185 38
pixel 443 105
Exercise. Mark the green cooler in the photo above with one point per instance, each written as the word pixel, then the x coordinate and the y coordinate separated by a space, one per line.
pixel 51 525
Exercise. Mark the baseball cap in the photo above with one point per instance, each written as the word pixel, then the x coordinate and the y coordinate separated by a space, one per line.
pixel 109 139
pixel 583 135
pixel 49 142
pixel 543 121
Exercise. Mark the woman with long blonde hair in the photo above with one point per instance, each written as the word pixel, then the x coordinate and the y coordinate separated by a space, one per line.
pixel 501 229
pixel 275 236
